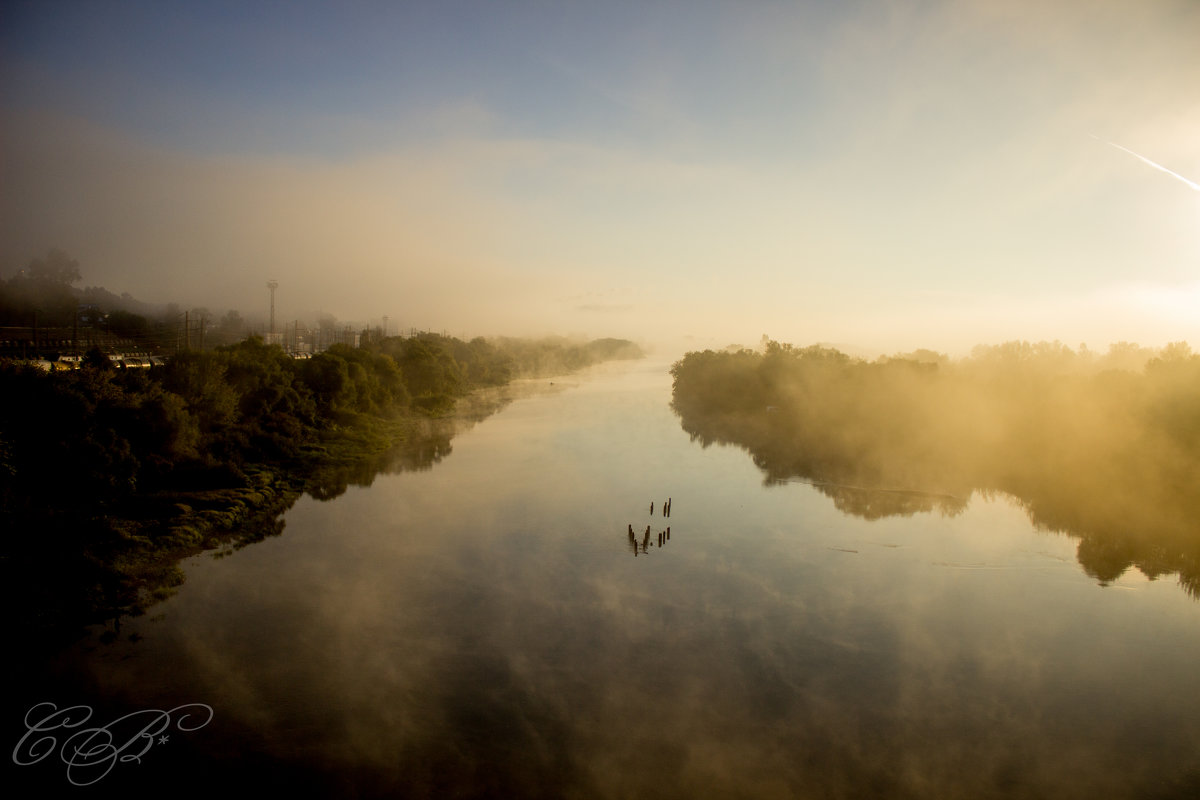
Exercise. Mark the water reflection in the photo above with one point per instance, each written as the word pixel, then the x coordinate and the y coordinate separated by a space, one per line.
pixel 1150 525
pixel 880 503
pixel 658 539
pixel 661 538
pixel 477 631
pixel 427 445
pixel 57 598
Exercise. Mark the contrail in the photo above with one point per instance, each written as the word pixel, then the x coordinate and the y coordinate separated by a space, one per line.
pixel 1192 184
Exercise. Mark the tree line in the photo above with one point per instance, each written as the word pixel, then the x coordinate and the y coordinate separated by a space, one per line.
pixel 99 434
pixel 1103 447
pixel 109 475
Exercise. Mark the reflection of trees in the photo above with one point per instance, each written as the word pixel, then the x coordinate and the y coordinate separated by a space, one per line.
pixel 56 591
pixel 414 455
pixel 1108 457
pixel 879 503
pixel 427 443
pixel 59 592
pixel 421 454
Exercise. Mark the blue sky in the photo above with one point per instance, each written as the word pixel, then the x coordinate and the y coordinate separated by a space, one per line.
pixel 880 174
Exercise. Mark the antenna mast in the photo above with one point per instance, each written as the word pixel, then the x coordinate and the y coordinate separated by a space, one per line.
pixel 272 285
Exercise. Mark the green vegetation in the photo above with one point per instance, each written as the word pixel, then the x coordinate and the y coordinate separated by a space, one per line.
pixel 108 476
pixel 1106 449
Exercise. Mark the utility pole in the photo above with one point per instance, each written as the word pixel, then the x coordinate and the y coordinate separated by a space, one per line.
pixel 187 332
pixel 272 285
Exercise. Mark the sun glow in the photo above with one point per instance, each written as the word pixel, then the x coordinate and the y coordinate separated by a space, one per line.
pixel 1175 303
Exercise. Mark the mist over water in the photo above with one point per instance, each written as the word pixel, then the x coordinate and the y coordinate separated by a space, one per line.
pixel 886 572
pixel 1086 447
pixel 481 628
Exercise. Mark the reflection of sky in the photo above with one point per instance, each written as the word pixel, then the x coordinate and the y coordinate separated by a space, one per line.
pixel 485 621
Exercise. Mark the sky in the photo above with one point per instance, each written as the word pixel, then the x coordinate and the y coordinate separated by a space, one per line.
pixel 877 175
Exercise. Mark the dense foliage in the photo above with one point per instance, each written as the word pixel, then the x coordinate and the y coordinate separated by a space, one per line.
pixel 1107 454
pixel 99 435
pixel 107 474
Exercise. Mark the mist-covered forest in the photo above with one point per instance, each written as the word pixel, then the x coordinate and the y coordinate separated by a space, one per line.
pixel 101 434
pixel 109 473
pixel 1104 447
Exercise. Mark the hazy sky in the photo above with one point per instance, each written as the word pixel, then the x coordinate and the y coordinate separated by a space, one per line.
pixel 879 174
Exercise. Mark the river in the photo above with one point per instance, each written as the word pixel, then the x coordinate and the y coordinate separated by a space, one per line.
pixel 486 628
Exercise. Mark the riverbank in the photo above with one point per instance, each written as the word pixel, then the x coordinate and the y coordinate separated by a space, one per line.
pixel 117 475
pixel 1106 455
pixel 71 570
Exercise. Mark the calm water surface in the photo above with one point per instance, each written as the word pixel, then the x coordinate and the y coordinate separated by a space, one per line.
pixel 484 628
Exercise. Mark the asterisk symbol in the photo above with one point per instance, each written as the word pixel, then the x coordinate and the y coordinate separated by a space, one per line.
pixel 163 739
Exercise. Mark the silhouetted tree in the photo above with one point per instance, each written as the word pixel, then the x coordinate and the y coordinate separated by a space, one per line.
pixel 55 267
